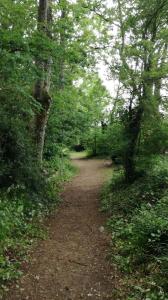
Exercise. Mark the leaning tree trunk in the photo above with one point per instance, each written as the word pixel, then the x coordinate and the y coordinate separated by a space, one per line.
pixel 42 85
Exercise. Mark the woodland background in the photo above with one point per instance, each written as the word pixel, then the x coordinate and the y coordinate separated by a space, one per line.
pixel 53 101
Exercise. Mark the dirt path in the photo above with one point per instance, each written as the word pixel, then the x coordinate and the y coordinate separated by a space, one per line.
pixel 71 264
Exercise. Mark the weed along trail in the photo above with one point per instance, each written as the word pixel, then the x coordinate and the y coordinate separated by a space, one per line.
pixel 71 264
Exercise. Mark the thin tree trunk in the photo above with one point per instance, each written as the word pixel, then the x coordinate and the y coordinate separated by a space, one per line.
pixel 95 145
pixel 42 85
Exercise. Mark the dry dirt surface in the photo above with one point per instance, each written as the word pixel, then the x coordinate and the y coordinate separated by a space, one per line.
pixel 72 263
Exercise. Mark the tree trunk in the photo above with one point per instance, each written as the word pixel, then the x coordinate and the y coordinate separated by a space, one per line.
pixel 42 85
pixel 133 130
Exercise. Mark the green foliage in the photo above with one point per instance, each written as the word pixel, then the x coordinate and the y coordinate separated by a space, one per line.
pixel 139 62
pixel 60 167
pixel 28 189
pixel 86 100
pixel 107 141
pixel 124 198
pixel 142 244
pixel 139 227
pixel 17 233
pixel 21 214
pixel 17 107
pixel 154 137
pixel 16 148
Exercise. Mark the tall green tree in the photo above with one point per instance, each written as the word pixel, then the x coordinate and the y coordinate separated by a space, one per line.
pixel 140 64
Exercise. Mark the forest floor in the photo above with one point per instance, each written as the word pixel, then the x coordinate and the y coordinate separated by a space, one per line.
pixel 72 264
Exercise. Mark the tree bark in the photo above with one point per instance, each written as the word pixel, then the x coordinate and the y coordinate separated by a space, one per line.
pixel 42 85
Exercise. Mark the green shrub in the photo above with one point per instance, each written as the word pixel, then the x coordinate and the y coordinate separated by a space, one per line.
pixel 21 213
pixel 145 236
pixel 122 199
pixel 16 232
pixel 139 227
pixel 108 142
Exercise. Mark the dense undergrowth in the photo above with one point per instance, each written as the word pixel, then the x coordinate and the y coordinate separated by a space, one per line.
pixel 139 227
pixel 22 212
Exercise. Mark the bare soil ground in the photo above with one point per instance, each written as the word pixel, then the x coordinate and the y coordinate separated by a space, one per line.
pixel 71 264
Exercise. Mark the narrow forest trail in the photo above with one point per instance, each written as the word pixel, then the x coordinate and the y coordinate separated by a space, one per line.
pixel 71 264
